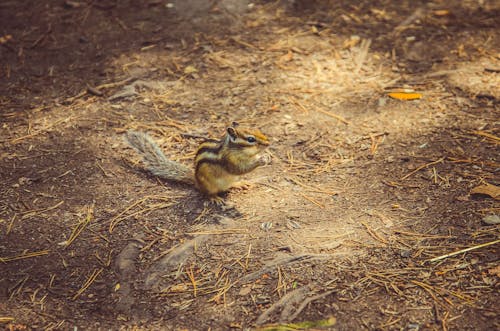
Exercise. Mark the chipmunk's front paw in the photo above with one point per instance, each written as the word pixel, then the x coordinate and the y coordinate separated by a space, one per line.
pixel 241 185
pixel 264 159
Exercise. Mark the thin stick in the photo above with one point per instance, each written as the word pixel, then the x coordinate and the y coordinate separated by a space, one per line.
pixel 80 226
pixel 310 187
pixel 42 130
pixel 337 117
pixel 312 201
pixel 464 250
pixel 219 232
pixel 422 167
pixel 88 282
pixel 248 256
pixel 488 135
pixel 374 234
pixel 190 274
pixel 24 256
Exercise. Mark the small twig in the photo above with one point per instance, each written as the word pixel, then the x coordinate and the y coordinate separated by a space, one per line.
pixel 464 250
pixel 190 274
pixel 80 226
pixel 24 256
pixel 489 136
pixel 374 234
pixel 422 167
pixel 312 201
pixel 219 232
pixel 247 258
pixel 42 130
pixel 88 282
pixel 337 117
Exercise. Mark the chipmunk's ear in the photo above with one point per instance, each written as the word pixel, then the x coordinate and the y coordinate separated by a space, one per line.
pixel 232 132
pixel 235 124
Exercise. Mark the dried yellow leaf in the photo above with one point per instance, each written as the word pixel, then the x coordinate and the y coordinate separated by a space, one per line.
pixel 441 12
pixel 405 95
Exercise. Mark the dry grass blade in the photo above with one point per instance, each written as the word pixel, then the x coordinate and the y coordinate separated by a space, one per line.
pixel 88 282
pixel 33 212
pixel 24 256
pixel 337 117
pixel 422 167
pixel 39 131
pixel 124 214
pixel 375 235
pixel 306 325
pixel 310 187
pixel 80 226
pixel 190 274
pixel 219 232
pixel 489 136
pixel 221 292
pixel 320 205
pixel 464 250
pixel 422 235
pixel 6 319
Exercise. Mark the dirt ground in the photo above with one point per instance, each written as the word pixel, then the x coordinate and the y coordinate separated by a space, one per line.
pixel 339 232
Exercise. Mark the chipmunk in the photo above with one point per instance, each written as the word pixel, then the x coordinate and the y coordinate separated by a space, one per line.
pixel 217 164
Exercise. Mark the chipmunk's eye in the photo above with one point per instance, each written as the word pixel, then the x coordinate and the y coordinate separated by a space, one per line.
pixel 251 139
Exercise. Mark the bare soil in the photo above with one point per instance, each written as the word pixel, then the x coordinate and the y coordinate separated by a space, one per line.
pixel 363 191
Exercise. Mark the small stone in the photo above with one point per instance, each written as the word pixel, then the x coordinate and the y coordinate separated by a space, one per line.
pixel 491 219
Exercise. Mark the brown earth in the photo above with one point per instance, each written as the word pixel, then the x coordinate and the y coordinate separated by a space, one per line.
pixel 362 192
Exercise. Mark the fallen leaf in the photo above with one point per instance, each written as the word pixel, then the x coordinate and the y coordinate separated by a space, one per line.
pixel 405 95
pixel 487 189
pixel 441 12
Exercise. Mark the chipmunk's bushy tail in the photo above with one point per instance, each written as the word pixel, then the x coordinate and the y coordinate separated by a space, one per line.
pixel 156 162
